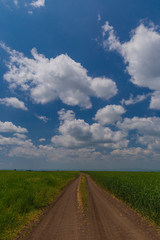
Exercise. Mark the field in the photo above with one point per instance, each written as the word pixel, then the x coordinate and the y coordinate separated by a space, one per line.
pixel 24 194
pixel 141 190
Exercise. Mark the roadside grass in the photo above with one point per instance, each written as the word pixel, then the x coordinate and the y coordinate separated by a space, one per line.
pixel 23 195
pixel 141 190
pixel 83 196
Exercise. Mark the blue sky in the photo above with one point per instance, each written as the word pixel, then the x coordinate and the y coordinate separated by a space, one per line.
pixel 80 84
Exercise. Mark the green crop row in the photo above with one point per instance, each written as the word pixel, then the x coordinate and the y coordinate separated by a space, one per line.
pixel 141 190
pixel 24 194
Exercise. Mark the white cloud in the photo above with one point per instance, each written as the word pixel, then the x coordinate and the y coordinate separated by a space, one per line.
pixel 151 142
pixel 123 143
pixel 109 114
pixel 103 87
pixel 42 139
pixel 13 102
pixel 15 2
pixel 30 12
pixel 66 115
pixel 64 155
pixel 15 147
pixel 38 3
pixel 10 127
pixel 134 100
pixel 99 17
pixel 136 158
pixel 76 133
pixel 130 151
pixel 24 151
pixel 83 142
pixel 148 135
pixel 18 145
pixel 61 77
pixel 15 141
pixel 43 118
pixel 155 101
pixel 112 42
pixel 20 135
pixel 146 126
pixel 141 54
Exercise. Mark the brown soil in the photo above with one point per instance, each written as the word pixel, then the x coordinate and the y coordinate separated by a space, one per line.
pixel 106 219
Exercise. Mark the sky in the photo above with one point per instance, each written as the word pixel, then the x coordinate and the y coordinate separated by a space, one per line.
pixel 80 84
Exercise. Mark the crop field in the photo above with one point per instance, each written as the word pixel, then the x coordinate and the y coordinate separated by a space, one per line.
pixel 24 194
pixel 141 190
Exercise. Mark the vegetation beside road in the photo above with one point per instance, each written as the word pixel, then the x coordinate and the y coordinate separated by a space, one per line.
pixel 141 190
pixel 82 193
pixel 24 194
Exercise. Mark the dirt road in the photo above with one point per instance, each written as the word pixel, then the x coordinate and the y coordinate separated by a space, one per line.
pixel 106 219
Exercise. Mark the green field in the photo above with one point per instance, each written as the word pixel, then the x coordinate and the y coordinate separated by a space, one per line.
pixel 141 190
pixel 24 194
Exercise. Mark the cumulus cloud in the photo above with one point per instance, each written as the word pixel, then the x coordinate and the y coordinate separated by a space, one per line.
pixel 10 127
pixel 117 145
pixel 24 151
pixel 109 114
pixel 79 140
pixel 146 126
pixel 66 115
pixel 13 102
pixel 103 88
pixel 147 135
pixel 48 79
pixel 38 3
pixel 18 147
pixel 141 55
pixel 76 133
pixel 18 144
pixel 112 42
pixel 43 118
pixel 42 139
pixel 155 101
pixel 152 142
pixel 133 100
pixel 20 135
pixel 136 157
pixel 15 141
pixel 63 155
pixel 130 151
